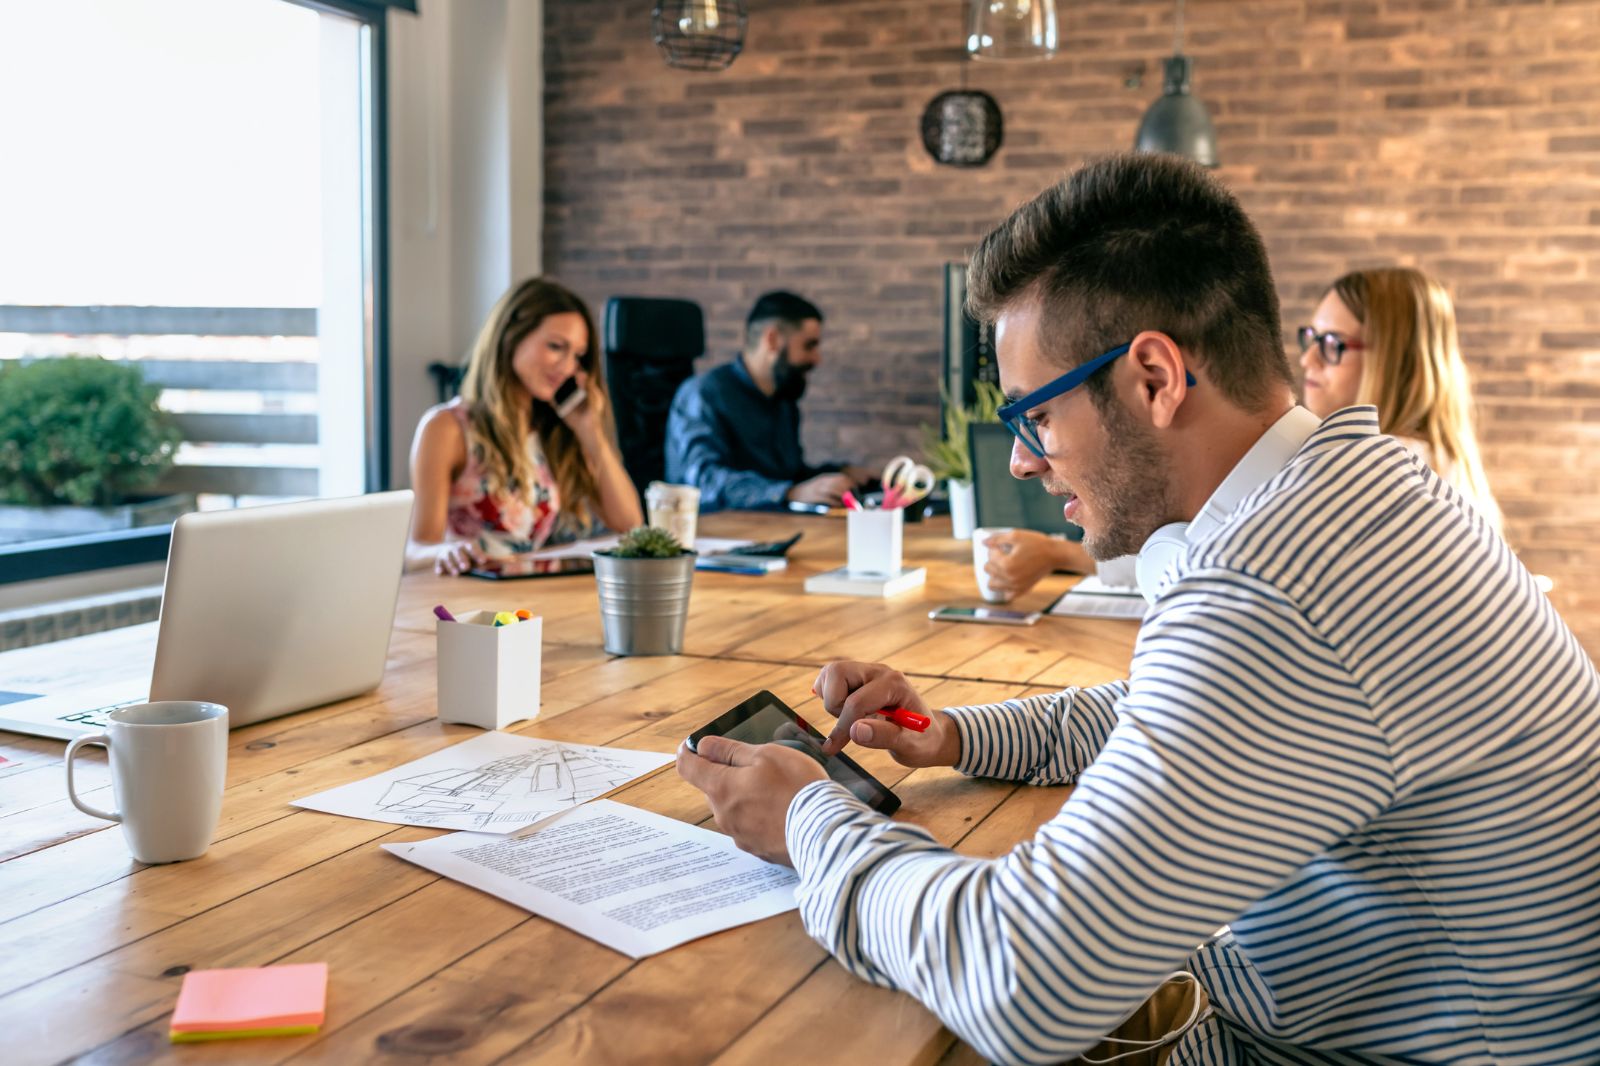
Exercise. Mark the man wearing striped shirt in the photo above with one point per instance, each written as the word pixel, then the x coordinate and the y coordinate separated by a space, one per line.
pixel 1354 731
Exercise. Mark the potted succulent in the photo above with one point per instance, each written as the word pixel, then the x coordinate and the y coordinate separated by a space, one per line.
pixel 949 458
pixel 644 584
pixel 81 439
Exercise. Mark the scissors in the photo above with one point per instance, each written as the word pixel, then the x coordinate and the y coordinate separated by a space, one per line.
pixel 905 482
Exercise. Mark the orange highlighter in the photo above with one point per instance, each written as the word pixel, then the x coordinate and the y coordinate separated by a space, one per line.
pixel 917 723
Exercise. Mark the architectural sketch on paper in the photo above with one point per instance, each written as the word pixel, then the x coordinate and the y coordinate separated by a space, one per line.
pixel 516 788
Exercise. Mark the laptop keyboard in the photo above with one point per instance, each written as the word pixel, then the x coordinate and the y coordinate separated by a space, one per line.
pixel 97 718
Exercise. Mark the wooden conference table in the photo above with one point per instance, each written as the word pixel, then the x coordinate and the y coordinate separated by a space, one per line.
pixel 93 945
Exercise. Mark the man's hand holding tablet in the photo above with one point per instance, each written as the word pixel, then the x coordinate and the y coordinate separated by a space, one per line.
pixel 749 787
pixel 751 782
pixel 857 693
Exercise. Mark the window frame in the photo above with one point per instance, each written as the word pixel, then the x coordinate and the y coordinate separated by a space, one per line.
pixel 63 556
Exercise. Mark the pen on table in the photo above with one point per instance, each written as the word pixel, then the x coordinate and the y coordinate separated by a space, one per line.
pixel 917 723
pixel 442 614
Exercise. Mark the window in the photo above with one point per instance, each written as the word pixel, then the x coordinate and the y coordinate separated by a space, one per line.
pixel 193 196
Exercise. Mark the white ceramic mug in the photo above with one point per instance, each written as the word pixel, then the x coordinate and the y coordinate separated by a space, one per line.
pixel 168 764
pixel 980 559
pixel 674 508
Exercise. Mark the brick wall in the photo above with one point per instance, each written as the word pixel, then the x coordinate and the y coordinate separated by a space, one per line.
pixel 1460 136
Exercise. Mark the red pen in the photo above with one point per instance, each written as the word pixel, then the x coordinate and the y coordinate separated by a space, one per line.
pixel 917 723
pixel 849 500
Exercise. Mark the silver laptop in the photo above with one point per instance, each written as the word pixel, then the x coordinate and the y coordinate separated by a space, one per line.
pixel 266 610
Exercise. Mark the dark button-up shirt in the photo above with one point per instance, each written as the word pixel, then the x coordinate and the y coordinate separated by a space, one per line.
pixel 738 445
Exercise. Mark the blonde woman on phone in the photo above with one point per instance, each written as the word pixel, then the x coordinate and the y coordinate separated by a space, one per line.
pixel 526 455
pixel 1387 337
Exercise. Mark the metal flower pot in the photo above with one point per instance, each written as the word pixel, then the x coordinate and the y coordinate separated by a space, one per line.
pixel 644 603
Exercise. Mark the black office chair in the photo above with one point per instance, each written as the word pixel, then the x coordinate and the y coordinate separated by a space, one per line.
pixel 651 346
pixel 446 379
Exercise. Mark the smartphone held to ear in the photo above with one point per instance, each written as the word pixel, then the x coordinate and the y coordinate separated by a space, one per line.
pixel 569 397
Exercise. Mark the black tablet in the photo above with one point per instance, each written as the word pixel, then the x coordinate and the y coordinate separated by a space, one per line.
pixel 765 719
pixel 513 567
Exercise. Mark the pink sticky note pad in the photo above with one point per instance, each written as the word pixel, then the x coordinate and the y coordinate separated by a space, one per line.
pixel 263 997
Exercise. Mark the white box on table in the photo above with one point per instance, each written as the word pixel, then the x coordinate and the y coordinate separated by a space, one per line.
pixel 488 674
pixel 874 540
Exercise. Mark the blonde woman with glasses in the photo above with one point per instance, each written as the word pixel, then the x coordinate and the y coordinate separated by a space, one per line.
pixel 1387 337
pixel 526 455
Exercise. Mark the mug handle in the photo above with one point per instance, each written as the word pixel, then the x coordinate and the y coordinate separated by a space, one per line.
pixel 72 794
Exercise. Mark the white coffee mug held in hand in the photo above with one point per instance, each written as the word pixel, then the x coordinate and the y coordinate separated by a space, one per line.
pixel 169 762
pixel 980 561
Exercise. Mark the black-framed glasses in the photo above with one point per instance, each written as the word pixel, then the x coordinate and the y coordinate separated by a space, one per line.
pixel 1330 346
pixel 1025 429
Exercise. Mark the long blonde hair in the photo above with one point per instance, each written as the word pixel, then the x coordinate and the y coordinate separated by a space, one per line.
pixel 499 417
pixel 1412 369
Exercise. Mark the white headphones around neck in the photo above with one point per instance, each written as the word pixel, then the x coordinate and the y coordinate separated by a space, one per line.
pixel 1260 464
pixel 1164 548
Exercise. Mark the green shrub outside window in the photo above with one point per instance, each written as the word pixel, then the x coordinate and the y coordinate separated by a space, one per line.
pixel 80 430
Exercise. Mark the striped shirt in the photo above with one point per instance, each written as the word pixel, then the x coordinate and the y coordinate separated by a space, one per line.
pixel 1354 731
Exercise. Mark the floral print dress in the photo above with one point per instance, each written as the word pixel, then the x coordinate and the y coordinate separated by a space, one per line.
pixel 502 523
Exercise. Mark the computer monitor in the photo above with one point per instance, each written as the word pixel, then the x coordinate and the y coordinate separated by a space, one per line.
pixel 968 345
pixel 1002 500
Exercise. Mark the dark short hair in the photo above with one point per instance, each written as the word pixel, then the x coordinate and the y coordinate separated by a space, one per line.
pixel 779 306
pixel 1138 242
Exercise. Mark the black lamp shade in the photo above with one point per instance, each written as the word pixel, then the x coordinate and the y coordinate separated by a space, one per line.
pixel 1177 122
pixel 962 128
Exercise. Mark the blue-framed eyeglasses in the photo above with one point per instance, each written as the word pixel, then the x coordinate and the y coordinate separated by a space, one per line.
pixel 1015 417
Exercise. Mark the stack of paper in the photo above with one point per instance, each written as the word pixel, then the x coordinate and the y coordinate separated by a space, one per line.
pixel 1093 598
pixel 842 582
pixel 636 881
pixel 263 1001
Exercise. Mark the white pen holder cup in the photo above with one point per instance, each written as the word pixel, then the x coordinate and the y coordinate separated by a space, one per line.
pixel 488 674
pixel 875 538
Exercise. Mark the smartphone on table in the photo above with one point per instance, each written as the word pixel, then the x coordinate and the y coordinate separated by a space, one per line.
pixel 994 616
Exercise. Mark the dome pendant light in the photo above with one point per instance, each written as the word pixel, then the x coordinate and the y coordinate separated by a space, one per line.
pixel 1178 122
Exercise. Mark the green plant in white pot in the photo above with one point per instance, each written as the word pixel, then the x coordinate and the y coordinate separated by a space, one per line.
pixel 644 585
pixel 950 459
pixel 81 442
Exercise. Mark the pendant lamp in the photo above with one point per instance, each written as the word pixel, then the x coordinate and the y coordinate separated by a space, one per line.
pixel 1178 122
pixel 699 34
pixel 1011 29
